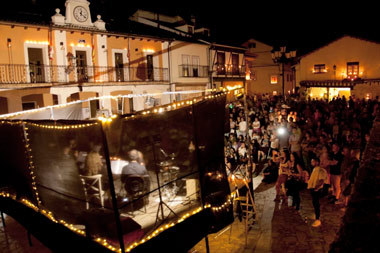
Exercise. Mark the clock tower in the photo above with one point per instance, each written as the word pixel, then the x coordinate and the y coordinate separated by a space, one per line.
pixel 78 13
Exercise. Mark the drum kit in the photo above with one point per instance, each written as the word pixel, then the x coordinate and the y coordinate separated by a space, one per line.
pixel 169 173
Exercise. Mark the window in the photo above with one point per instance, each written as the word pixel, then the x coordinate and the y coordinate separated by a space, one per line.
pixel 28 105
pixel 252 45
pixel 185 65
pixel 352 70
pixel 195 66
pixel 55 99
pixel 319 68
pixel 273 79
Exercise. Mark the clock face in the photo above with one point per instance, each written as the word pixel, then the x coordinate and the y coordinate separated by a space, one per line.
pixel 80 14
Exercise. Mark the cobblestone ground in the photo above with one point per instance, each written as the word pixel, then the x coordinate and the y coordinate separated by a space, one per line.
pixel 14 239
pixel 279 227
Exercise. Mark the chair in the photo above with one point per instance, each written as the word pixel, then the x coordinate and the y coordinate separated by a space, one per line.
pixel 136 186
pixel 92 186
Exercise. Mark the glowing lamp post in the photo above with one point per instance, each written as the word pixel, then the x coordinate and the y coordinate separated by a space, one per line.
pixel 282 57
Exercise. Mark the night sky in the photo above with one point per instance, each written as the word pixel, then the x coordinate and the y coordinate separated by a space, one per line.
pixel 302 26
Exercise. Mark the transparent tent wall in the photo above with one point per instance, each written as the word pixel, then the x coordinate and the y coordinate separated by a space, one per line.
pixel 15 173
pixel 72 178
pixel 181 152
pixel 157 154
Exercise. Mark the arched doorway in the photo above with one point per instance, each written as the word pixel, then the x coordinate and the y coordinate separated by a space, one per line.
pixel 32 101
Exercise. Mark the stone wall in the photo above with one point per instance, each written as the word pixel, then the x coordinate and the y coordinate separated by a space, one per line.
pixel 360 228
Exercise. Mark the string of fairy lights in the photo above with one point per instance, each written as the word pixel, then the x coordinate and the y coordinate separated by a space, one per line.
pixel 105 120
pixel 106 243
pixel 28 150
pixel 116 97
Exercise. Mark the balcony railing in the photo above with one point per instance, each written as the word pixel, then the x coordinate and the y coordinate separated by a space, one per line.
pixel 229 70
pixel 193 71
pixel 18 73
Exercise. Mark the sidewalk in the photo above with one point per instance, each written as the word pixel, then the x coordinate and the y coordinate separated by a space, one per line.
pixel 279 228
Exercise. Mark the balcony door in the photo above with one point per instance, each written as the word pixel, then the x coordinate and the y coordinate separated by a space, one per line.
pixel 195 66
pixel 119 67
pixel 81 61
pixel 235 64
pixel 220 64
pixel 149 66
pixel 185 65
pixel 36 65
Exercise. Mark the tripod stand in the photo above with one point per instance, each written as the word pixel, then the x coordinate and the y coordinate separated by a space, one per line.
pixel 160 220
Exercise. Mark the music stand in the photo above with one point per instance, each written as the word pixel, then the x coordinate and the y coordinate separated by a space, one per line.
pixel 161 203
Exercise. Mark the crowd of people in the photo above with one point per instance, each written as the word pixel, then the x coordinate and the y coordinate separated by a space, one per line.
pixel 306 144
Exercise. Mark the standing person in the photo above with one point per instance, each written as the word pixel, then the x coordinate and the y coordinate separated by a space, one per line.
pixel 256 125
pixel 242 127
pixel 283 173
pixel 347 164
pixel 335 172
pixel 274 144
pixel 294 142
pixel 295 180
pixel 315 185
pixel 93 163
pixel 283 135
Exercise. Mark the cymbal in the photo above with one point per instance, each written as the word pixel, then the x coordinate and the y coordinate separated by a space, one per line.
pixel 165 163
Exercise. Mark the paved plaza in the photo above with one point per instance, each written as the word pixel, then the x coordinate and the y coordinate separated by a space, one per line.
pixel 278 229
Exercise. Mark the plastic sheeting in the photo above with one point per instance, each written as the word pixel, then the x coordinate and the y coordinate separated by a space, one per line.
pixel 151 169
pixel 69 112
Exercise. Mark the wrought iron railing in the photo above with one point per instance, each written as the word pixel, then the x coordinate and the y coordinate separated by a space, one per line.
pixel 19 73
pixel 229 70
pixel 193 71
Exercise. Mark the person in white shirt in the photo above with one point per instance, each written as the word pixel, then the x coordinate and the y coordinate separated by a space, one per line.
pixel 256 125
pixel 242 127
pixel 315 184
pixel 242 150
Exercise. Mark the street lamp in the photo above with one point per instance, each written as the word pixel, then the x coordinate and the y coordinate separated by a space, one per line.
pixel 283 57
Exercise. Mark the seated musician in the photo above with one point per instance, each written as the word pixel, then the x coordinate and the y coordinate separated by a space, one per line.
pixel 135 173
pixel 135 165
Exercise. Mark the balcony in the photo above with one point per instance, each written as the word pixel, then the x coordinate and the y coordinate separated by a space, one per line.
pixel 193 71
pixel 19 74
pixel 229 70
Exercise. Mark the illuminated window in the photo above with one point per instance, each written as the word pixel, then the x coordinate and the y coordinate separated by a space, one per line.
pixel 273 79
pixel 319 68
pixel 352 70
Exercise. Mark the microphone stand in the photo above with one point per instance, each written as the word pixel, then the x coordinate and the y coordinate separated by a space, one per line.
pixel 161 203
